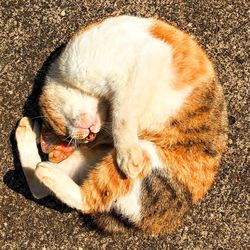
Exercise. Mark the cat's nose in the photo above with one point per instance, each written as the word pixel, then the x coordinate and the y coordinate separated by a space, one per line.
pixel 85 121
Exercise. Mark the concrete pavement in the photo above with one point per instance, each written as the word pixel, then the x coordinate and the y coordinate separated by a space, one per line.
pixel 30 31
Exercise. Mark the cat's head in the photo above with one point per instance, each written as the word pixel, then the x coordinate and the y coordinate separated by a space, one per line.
pixel 72 113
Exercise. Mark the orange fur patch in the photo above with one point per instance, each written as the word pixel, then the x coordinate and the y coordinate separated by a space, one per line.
pixel 189 165
pixel 88 27
pixel 106 183
pixel 183 146
pixel 192 146
pixel 51 116
pixel 193 168
pixel 189 60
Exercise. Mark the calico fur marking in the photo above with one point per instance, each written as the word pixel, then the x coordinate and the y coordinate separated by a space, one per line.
pixel 191 64
pixel 106 183
pixel 162 211
pixel 192 144
pixel 51 116
pixel 182 129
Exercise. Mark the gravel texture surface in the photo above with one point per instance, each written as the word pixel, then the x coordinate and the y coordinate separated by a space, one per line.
pixel 30 31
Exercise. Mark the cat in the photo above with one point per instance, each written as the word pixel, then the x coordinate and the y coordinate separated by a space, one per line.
pixel 148 97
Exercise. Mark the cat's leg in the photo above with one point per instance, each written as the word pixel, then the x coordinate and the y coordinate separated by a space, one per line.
pixel 125 129
pixel 109 194
pixel 98 191
pixel 63 179
pixel 60 183
pixel 27 133
pixel 128 152
pixel 104 184
pixel 130 103
pixel 75 166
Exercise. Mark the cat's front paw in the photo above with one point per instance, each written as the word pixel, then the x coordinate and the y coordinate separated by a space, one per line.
pixel 130 161
pixel 27 131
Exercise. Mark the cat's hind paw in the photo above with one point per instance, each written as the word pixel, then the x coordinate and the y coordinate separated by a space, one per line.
pixel 27 131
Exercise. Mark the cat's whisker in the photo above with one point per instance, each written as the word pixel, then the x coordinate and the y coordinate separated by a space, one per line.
pixel 106 125
pixel 107 130
pixel 107 122
pixel 107 133
pixel 70 142
pixel 68 137
pixel 75 143
pixel 37 117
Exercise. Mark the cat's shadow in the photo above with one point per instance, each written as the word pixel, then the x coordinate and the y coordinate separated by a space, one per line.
pixel 15 179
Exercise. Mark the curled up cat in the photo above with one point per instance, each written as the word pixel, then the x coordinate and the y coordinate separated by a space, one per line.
pixel 141 101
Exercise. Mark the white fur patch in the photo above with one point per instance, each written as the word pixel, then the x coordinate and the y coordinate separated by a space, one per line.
pixel 26 136
pixel 103 57
pixel 129 205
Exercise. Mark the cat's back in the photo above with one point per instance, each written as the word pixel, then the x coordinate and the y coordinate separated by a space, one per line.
pixel 165 62
pixel 109 51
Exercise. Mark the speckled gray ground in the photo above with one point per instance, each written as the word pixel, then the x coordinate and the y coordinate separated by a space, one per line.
pixel 30 31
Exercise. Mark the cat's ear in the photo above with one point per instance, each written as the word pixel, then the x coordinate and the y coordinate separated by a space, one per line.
pixel 48 140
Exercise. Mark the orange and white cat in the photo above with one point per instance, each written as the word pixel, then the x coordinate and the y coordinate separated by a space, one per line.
pixel 157 91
